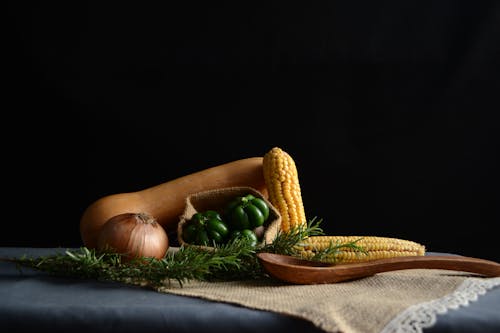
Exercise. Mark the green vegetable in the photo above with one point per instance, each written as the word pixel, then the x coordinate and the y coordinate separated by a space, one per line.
pixel 205 228
pixel 246 212
pixel 250 235
pixel 245 234
pixel 190 232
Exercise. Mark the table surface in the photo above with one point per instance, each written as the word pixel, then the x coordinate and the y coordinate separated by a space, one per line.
pixel 33 301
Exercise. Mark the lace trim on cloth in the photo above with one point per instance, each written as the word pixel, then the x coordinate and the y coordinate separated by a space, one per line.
pixel 423 315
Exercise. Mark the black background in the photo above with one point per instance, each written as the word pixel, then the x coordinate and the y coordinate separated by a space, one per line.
pixel 390 110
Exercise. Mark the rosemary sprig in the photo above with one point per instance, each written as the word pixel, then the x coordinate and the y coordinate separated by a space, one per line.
pixel 285 243
pixel 188 263
pixel 231 261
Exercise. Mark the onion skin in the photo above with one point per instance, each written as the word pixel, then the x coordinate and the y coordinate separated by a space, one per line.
pixel 134 235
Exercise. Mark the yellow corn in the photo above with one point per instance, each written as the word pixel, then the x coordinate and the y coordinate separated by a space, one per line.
pixel 282 182
pixel 374 247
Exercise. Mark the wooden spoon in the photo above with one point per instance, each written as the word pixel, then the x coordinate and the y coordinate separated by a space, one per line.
pixel 301 271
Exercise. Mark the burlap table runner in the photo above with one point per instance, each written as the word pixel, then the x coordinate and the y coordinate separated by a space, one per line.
pixel 400 301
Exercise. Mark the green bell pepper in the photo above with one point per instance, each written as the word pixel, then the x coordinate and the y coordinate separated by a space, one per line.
pixel 246 234
pixel 205 228
pixel 246 212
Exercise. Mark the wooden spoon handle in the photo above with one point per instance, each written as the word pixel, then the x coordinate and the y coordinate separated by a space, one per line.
pixel 300 271
pixel 456 263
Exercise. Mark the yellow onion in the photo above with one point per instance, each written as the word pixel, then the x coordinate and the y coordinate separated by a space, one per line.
pixel 134 235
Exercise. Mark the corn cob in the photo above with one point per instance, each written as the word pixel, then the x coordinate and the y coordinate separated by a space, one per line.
pixel 282 182
pixel 374 247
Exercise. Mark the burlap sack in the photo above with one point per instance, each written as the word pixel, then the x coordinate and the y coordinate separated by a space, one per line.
pixel 217 199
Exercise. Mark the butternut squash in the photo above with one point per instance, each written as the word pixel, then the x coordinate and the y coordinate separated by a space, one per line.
pixel 166 201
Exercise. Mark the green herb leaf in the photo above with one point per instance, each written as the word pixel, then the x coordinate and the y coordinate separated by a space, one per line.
pixel 234 260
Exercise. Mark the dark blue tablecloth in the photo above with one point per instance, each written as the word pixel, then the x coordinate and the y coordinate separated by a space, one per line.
pixel 33 301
